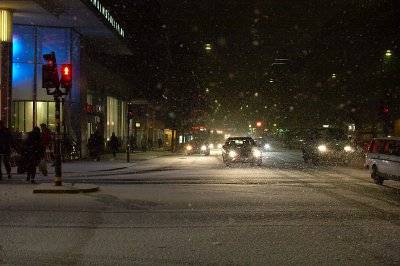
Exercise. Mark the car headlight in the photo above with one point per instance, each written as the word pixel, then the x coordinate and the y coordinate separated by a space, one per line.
pixel 267 146
pixel 348 148
pixel 322 148
pixel 232 154
pixel 219 146
pixel 189 148
pixel 212 146
pixel 203 148
pixel 257 153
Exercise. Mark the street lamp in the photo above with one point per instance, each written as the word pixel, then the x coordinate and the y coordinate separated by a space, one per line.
pixel 208 47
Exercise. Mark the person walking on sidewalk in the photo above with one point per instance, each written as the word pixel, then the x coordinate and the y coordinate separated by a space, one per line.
pixel 32 153
pixel 46 141
pixel 6 142
pixel 159 143
pixel 113 144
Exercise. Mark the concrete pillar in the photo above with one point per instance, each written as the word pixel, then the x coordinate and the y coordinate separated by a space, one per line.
pixel 5 65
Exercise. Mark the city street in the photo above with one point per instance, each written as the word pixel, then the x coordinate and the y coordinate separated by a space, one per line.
pixel 166 209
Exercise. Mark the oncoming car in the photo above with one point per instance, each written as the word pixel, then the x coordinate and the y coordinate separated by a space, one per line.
pixel 241 150
pixel 197 147
pixel 216 145
pixel 327 144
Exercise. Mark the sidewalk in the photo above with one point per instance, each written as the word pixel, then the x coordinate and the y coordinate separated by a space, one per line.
pixel 106 163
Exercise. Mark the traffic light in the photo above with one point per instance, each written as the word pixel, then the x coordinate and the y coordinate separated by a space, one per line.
pixel 50 72
pixel 258 124
pixel 66 76
pixel 51 58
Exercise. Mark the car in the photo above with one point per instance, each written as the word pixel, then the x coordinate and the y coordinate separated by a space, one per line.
pixel 328 145
pixel 241 150
pixel 383 159
pixel 197 147
pixel 264 144
pixel 216 145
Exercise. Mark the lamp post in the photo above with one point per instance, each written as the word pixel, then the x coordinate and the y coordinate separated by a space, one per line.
pixel 129 116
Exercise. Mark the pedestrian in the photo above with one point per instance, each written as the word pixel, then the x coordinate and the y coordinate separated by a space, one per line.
pixel 98 143
pixel 92 147
pixel 46 141
pixel 113 144
pixel 6 142
pixel 32 153
pixel 159 143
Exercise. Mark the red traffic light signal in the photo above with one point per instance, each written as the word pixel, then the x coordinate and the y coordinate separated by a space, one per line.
pixel 66 76
pixel 258 124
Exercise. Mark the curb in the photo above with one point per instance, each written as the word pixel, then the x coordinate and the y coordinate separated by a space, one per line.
pixel 69 188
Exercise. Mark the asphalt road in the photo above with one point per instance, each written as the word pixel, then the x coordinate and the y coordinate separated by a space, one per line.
pixel 194 210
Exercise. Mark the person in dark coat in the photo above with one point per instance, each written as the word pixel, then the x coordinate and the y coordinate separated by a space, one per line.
pixel 32 153
pixel 98 140
pixel 46 141
pixel 92 146
pixel 113 144
pixel 6 142
pixel 95 145
pixel 159 143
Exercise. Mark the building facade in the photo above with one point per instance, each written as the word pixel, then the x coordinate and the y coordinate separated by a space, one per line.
pixel 30 29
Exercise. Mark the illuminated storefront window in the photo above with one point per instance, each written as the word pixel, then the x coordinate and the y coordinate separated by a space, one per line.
pixel 116 117
pixel 24 119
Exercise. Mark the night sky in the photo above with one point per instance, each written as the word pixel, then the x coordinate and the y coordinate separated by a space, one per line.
pixel 318 38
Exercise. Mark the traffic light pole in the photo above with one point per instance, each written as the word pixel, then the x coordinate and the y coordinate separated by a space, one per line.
pixel 50 80
pixel 128 146
pixel 57 148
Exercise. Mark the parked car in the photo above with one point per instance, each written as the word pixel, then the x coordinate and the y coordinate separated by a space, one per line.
pixel 197 146
pixel 383 159
pixel 241 150
pixel 329 145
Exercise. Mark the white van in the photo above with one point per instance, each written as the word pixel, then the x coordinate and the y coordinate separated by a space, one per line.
pixel 383 159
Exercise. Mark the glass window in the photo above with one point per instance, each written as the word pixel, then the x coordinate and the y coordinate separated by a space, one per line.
pixel 52 115
pixel 389 147
pixel 372 147
pixel 23 44
pixel 112 117
pixel 54 39
pixel 28 116
pixel 18 116
pixel 41 112
pixel 23 82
